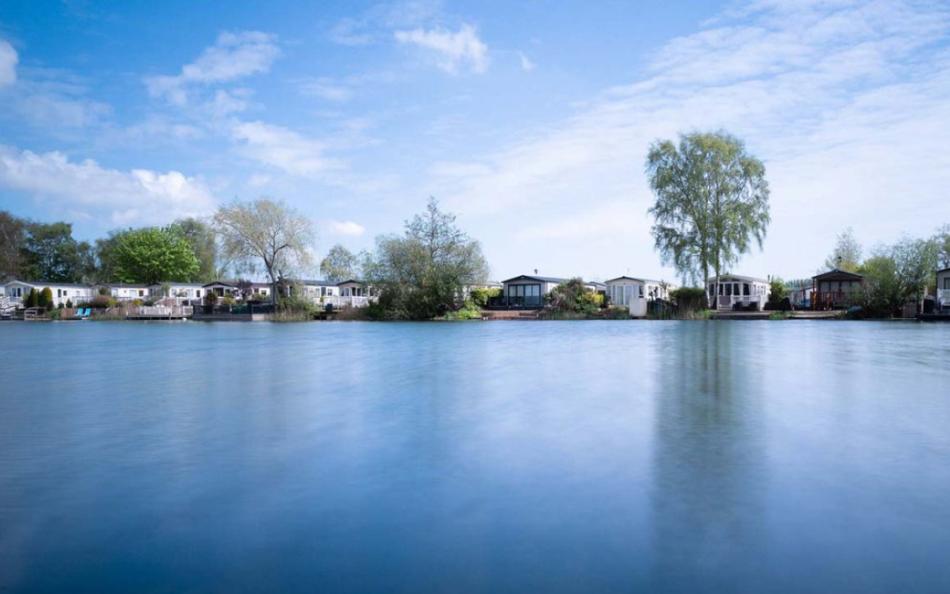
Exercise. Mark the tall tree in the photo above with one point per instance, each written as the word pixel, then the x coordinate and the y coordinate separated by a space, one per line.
pixel 265 235
pixel 12 244
pixel 200 236
pixel 50 253
pixel 916 260
pixel 847 253
pixel 152 255
pixel 339 265
pixel 942 238
pixel 422 274
pixel 712 200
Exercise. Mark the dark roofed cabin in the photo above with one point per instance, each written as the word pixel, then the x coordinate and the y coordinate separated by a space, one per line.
pixel 836 289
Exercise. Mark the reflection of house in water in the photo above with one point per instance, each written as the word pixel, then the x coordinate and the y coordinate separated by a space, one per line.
pixel 708 455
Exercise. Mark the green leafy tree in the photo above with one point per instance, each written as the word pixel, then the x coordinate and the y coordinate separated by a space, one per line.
pixel 421 275
pixel 265 235
pixel 51 253
pixel 200 236
pixel 712 201
pixel 916 261
pixel 847 253
pixel 942 239
pixel 32 298
pixel 152 255
pixel 883 291
pixel 339 265
pixel 12 244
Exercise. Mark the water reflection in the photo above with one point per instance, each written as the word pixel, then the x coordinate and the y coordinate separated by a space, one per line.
pixel 707 459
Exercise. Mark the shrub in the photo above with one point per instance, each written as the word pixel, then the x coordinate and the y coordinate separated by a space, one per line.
pixel 469 311
pixel 101 302
pixel 69 303
pixel 572 297
pixel 55 314
pixel 689 299
pixel 32 298
pixel 45 298
pixel 481 295
pixel 60 306
pixel 104 291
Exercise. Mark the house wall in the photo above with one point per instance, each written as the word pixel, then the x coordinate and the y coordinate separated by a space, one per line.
pixel 629 293
pixel 16 292
pixel 129 293
pixel 943 288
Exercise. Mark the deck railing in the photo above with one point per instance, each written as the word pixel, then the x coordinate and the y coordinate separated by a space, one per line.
pixel 834 299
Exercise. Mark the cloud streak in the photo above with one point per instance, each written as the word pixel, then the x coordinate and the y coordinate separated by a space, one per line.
pixel 454 50
pixel 233 56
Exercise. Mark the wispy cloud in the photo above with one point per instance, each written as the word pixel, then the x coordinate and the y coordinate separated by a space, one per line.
pixel 453 50
pixel 233 56
pixel 376 23
pixel 282 148
pixel 138 196
pixel 526 64
pixel 326 88
pixel 8 62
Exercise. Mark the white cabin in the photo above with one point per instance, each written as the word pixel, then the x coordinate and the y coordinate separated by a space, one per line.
pixel 16 291
pixel 182 293
pixel 943 289
pixel 735 289
pixel 128 292
pixel 636 293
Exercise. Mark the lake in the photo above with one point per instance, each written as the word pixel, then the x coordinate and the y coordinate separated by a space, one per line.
pixel 798 456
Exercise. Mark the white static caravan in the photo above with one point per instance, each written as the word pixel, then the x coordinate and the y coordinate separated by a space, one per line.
pixel 735 289
pixel 16 291
pixel 128 292
pixel 182 293
pixel 355 288
pixel 316 290
pixel 625 291
pixel 943 289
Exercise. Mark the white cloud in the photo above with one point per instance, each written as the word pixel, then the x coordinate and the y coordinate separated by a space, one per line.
pixel 454 50
pixel 347 228
pixel 374 24
pixel 233 56
pixel 139 196
pixel 282 148
pixel 849 106
pixel 526 64
pixel 327 89
pixel 8 62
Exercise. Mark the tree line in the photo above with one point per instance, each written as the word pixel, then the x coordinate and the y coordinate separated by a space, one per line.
pixel 419 274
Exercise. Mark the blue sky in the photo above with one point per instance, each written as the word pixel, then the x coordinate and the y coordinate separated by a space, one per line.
pixel 530 120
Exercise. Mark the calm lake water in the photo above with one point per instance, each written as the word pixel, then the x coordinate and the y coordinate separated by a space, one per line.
pixel 475 457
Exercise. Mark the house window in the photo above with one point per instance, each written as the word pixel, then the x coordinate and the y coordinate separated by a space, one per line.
pixel 745 288
pixel 946 283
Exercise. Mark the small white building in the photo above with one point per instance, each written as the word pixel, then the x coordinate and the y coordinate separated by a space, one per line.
pixel 636 293
pixel 16 291
pixel 128 292
pixel 355 288
pixel 182 293
pixel 316 290
pixel 735 289
pixel 528 291
pixel 943 289
pixel 221 289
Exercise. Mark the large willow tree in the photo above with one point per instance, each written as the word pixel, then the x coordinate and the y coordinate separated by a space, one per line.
pixel 712 201
pixel 265 235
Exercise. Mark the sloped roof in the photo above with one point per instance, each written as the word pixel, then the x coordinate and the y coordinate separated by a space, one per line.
pixel 542 279
pixel 836 273
pixel 42 283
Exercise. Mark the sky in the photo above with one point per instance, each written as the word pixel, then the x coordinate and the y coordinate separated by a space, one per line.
pixel 529 120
